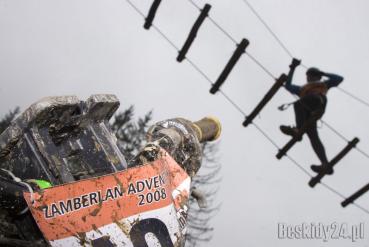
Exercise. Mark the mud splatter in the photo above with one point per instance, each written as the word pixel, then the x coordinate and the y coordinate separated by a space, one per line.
pixel 125 226
pixel 81 238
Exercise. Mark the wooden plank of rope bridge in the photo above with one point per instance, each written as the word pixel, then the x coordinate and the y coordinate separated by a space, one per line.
pixel 151 15
pixel 192 35
pixel 272 91
pixel 313 181
pixel 355 196
pixel 295 138
pixel 231 63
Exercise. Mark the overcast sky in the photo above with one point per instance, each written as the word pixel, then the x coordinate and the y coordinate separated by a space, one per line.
pixel 84 47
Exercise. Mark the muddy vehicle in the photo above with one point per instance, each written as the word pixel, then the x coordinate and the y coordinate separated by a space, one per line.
pixel 64 181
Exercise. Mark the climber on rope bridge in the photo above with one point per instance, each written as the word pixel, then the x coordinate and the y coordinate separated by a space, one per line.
pixel 310 108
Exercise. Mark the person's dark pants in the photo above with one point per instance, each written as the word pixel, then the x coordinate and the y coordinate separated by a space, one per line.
pixel 311 108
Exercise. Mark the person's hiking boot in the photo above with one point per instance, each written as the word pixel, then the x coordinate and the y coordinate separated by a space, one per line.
pixel 291 131
pixel 327 169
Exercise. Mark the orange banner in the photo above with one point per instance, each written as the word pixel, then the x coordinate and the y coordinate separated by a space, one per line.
pixel 79 207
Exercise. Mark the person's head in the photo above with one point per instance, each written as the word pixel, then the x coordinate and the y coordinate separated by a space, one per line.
pixel 313 74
